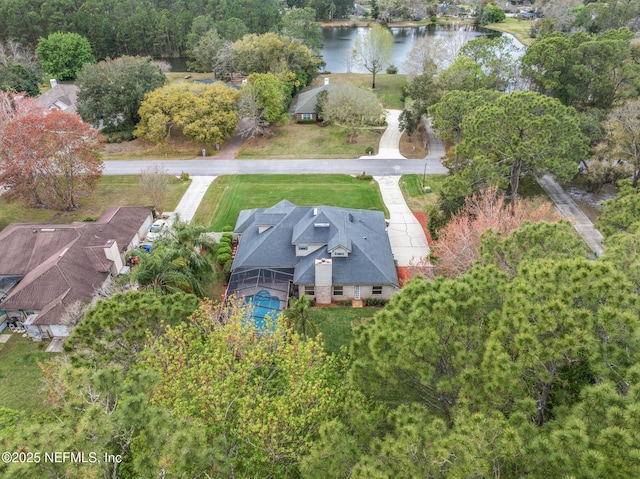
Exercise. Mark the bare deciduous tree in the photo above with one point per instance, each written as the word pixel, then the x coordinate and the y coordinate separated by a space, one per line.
pixel 155 181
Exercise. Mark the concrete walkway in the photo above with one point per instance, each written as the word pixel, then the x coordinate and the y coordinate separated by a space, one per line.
pixel 390 140
pixel 191 199
pixel 408 242
pixel 569 210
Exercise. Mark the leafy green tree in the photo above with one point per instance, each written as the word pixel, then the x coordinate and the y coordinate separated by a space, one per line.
pixel 206 113
pixel 463 74
pixel 491 14
pixel 276 54
pixel 301 23
pixel 621 214
pixel 206 51
pixel 19 69
pixel 373 50
pixel 252 113
pixel 63 54
pixel 522 134
pixel 582 70
pixel 428 342
pixel 352 108
pixel 498 59
pixel 272 96
pixel 564 325
pixel 112 91
pixel 116 329
pixel 231 29
pixel 263 394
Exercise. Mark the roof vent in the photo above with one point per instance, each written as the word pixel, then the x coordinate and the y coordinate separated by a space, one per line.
pixel 47 230
pixel 326 80
pixel 321 225
pixel 315 212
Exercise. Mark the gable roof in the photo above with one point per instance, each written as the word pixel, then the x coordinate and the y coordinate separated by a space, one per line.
pixel 60 97
pixel 306 100
pixel 361 232
pixel 61 264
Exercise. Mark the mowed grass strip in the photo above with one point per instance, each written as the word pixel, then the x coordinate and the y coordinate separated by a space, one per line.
pixel 116 190
pixel 412 187
pixel 311 141
pixel 228 195
pixel 20 376
pixel 337 324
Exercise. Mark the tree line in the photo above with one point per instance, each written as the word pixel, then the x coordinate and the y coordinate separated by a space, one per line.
pixel 145 27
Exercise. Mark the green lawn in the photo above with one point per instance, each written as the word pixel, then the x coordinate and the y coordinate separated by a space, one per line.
pixel 520 29
pixel 228 195
pixel 20 375
pixel 311 141
pixel 116 190
pixel 414 193
pixel 336 324
pixel 388 87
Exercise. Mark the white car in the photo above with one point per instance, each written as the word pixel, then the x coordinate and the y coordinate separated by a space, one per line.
pixel 156 230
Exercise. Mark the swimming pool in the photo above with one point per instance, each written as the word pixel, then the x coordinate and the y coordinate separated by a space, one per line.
pixel 264 305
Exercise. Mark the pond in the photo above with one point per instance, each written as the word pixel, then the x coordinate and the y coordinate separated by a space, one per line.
pixel 340 41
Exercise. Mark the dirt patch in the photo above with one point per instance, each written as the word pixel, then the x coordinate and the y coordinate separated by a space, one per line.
pixel 416 149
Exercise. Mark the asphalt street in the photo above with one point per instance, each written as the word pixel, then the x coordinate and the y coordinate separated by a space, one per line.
pixel 212 167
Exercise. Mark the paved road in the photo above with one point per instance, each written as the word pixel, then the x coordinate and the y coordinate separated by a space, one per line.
pixel 569 210
pixel 211 167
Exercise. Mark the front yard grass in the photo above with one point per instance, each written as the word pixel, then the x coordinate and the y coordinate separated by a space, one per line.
pixel 20 375
pixel 311 141
pixel 521 29
pixel 413 190
pixel 112 190
pixel 228 195
pixel 337 324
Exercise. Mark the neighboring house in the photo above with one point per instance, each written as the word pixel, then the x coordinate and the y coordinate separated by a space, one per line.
pixel 44 268
pixel 325 252
pixel 305 107
pixel 60 97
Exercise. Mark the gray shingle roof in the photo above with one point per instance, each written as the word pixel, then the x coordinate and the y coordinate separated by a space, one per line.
pixel 362 232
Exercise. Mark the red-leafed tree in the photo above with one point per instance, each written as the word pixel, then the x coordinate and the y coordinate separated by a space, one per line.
pixel 458 245
pixel 48 159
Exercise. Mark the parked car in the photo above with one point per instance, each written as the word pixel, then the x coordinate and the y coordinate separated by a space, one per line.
pixel 156 230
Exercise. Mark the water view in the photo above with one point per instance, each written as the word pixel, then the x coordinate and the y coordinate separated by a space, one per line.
pixel 340 41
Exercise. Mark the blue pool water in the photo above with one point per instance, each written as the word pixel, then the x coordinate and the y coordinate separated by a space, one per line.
pixel 263 305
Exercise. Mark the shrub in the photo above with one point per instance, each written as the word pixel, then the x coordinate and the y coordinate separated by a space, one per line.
pixel 364 177
pixel 433 19
pixel 224 249
pixel 375 302
pixel 227 270
pixel 392 70
pixel 369 150
pixel 184 176
pixel 223 258
pixel 227 229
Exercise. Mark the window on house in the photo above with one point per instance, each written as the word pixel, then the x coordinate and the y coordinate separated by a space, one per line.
pixel 376 290
pixel 303 247
pixel 339 252
pixel 310 290
pixel 338 291
pixel 307 116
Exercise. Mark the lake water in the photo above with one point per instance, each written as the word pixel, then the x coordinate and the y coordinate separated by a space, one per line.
pixel 340 41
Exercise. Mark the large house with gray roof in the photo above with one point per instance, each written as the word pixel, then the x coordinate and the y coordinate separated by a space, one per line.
pixel 327 253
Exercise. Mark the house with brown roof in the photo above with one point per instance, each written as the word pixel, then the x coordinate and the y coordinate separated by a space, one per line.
pixel 44 268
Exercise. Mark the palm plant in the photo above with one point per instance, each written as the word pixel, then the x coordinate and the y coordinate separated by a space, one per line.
pixel 298 317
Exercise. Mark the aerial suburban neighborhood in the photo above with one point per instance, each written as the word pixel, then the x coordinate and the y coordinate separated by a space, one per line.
pixel 319 239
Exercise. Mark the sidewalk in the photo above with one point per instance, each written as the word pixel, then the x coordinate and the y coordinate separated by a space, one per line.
pixel 408 242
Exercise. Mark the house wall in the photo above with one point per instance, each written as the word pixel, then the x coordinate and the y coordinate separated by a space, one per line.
pixel 299 117
pixel 349 292
pixel 60 331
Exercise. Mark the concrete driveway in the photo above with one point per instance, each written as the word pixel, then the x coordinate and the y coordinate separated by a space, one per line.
pixel 408 242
